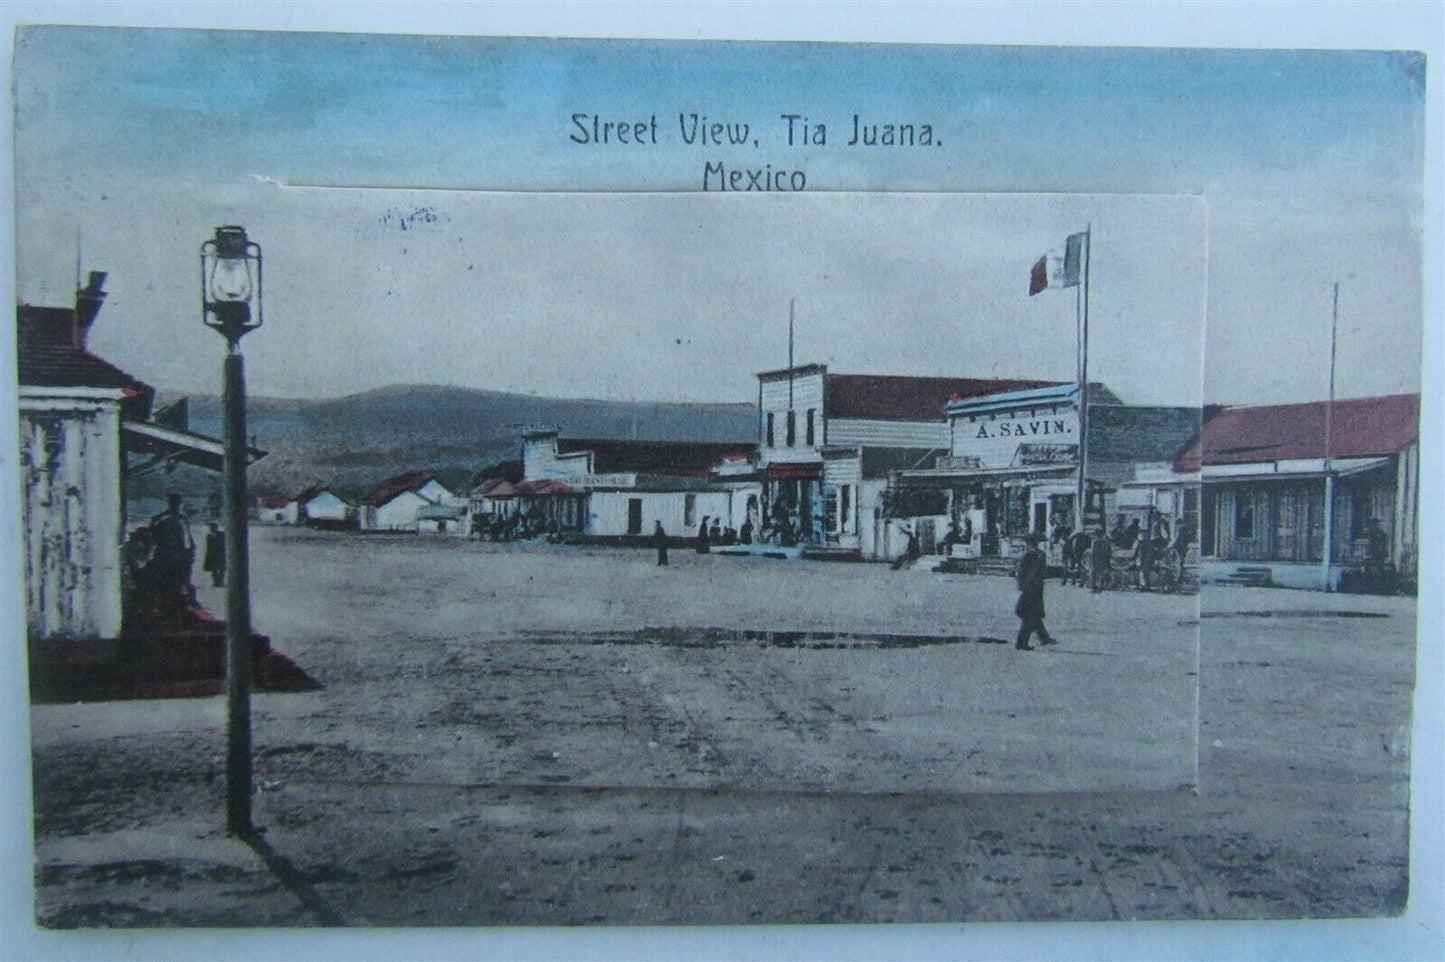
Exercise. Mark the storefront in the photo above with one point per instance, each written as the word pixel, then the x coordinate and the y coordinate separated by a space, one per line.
pixel 1011 470
pixel 1282 482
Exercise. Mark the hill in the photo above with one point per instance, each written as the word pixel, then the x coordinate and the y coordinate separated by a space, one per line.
pixel 354 442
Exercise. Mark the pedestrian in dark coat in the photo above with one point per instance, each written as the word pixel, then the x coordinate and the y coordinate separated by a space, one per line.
pixel 214 559
pixel 1101 561
pixel 659 541
pixel 702 536
pixel 1030 607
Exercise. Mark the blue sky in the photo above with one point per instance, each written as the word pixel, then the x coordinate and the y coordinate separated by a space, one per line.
pixel 1309 163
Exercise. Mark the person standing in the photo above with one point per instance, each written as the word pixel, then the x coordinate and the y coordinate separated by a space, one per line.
pixel 214 559
pixel 1101 561
pixel 659 541
pixel 1030 606
pixel 702 536
pixel 174 554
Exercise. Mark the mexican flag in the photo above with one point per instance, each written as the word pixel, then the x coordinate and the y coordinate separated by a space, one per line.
pixel 1059 270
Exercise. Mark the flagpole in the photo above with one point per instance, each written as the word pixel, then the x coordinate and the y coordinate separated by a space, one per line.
pixel 1081 310
pixel 791 303
pixel 1329 546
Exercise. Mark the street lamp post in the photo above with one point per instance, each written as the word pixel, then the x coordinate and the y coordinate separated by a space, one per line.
pixel 231 303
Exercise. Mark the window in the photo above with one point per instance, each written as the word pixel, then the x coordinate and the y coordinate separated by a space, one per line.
pixel 792 428
pixel 1244 514
pixel 770 429
pixel 809 428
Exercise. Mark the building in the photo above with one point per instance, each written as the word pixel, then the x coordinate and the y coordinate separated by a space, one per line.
pixel 618 489
pixel 828 444
pixel 85 429
pixel 1269 472
pixel 275 509
pixel 320 507
pixel 394 504
pixel 1012 466
pixel 448 518
pixel 72 405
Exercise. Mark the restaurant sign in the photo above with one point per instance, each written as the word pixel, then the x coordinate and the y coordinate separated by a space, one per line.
pixel 614 480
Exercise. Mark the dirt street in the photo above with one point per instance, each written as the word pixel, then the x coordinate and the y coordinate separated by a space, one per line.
pixel 551 735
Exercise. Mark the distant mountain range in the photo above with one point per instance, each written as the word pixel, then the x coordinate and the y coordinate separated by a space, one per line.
pixel 352 443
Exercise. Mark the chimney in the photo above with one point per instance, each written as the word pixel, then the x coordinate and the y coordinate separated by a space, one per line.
pixel 87 304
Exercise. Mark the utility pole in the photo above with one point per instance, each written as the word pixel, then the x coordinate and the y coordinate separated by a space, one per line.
pixel 1081 306
pixel 1329 547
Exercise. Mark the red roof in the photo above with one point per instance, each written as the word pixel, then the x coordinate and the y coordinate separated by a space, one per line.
pixel 1359 428
pixel 542 486
pixel 893 397
pixel 43 360
pixel 314 491
pixel 274 501
pixel 390 488
pixel 670 458
pixel 499 489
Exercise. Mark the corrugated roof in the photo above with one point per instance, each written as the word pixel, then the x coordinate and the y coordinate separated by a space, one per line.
pixel 440 512
pixel 676 458
pixel 1359 428
pixel 892 397
pixel 1133 434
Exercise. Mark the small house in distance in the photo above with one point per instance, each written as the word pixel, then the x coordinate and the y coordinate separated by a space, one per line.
pixel 320 507
pixel 275 509
pixel 394 505
pixel 1265 471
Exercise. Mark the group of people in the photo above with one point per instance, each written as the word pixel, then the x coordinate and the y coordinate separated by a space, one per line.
pixel 1145 552
pixel 159 556
pixel 711 531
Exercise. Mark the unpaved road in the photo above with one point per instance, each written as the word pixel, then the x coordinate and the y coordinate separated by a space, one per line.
pixel 545 735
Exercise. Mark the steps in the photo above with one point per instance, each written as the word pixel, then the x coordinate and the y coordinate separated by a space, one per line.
pixel 1248 577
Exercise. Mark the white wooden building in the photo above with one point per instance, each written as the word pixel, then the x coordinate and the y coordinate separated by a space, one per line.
pixel 828 444
pixel 394 505
pixel 618 489
pixel 1314 495
pixel 84 427
pixel 1012 468
pixel 319 506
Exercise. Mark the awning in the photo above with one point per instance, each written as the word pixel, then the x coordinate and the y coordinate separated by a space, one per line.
pixel 1290 470
pixel 785 471
pixel 169 446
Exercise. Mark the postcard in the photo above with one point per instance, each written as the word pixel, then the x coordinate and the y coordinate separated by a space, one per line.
pixel 484 482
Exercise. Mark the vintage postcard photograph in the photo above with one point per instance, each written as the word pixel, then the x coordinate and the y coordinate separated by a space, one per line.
pixel 485 482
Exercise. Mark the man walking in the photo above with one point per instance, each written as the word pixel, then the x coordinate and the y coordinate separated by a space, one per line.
pixel 1030 607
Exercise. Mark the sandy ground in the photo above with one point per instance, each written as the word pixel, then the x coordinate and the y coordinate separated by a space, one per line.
pixel 548 735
